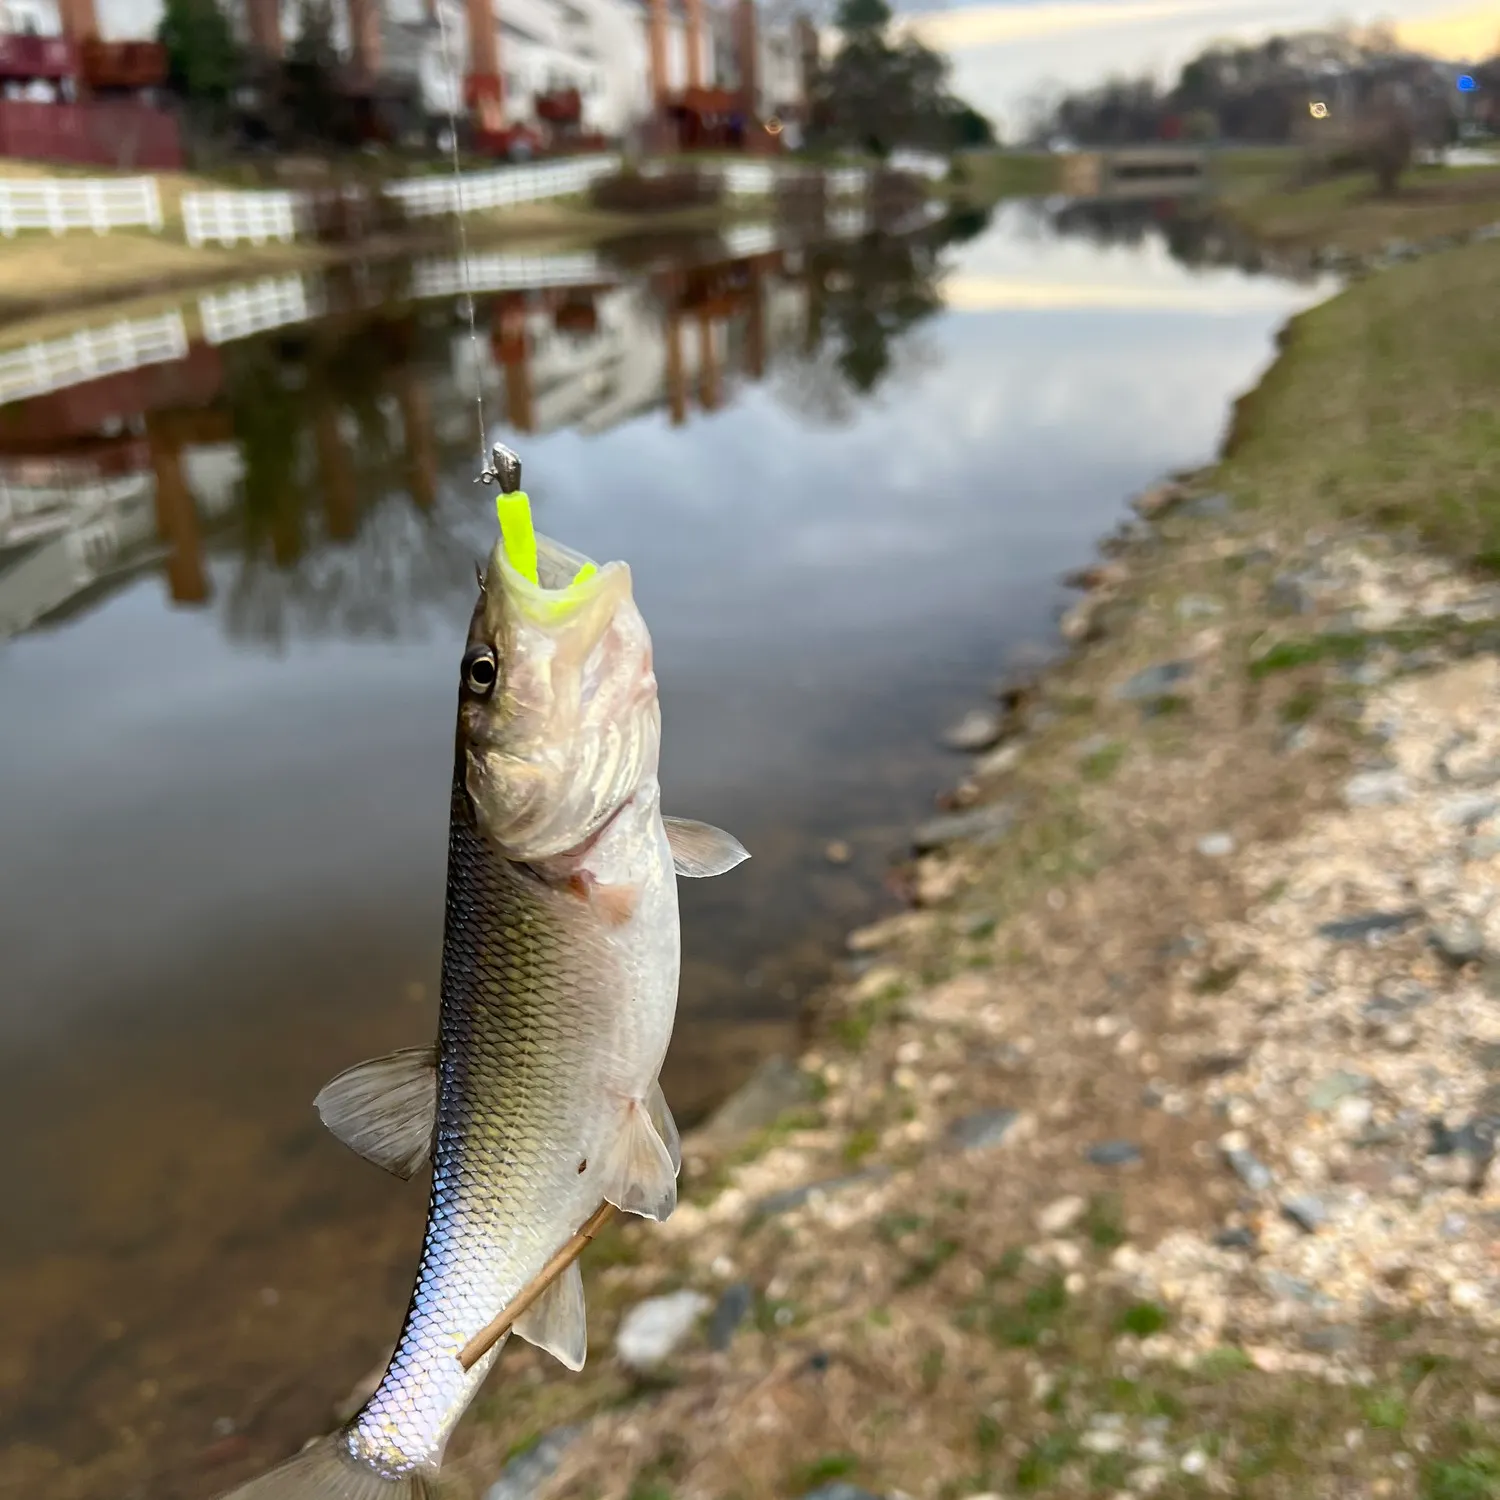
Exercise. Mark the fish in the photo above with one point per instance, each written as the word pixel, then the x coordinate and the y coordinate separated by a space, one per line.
pixel 540 1099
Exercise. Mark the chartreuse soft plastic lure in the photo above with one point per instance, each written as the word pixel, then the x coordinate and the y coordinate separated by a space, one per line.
pixel 519 536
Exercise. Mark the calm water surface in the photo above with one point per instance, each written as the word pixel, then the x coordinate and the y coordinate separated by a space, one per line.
pixel 234 583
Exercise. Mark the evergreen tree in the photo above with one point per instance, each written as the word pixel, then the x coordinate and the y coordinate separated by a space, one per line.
pixel 203 58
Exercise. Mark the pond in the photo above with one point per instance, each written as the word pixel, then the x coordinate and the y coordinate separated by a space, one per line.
pixel 237 543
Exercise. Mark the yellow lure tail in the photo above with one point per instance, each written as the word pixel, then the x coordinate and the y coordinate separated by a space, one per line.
pixel 514 513
pixel 519 535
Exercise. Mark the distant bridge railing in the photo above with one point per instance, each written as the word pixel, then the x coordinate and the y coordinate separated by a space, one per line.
pixel 228 218
pixel 52 364
pixel 97 203
pixel 422 197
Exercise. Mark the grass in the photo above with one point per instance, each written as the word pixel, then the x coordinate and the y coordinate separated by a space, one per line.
pixel 988 176
pixel 1346 211
pixel 1382 409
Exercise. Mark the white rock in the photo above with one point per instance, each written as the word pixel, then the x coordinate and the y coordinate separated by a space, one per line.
pixel 653 1329
pixel 1376 789
pixel 1060 1216
pixel 1216 845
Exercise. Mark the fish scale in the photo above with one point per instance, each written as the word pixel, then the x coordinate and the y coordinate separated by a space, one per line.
pixel 520 979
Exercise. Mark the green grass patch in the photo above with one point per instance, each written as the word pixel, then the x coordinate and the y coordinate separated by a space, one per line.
pixel 926 1265
pixel 1346 211
pixel 1101 764
pixel 1142 1319
pixel 1217 980
pixel 987 176
pixel 1044 1460
pixel 852 1030
pixel 860 1145
pixel 1472 1475
pixel 1104 1221
pixel 828 1466
pixel 1027 1321
pixel 1381 410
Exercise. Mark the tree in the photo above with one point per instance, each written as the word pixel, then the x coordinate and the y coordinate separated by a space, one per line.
pixel 203 58
pixel 311 70
pixel 878 97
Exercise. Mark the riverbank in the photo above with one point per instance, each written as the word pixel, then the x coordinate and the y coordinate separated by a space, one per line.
pixel 1147 1153
pixel 47 280
pixel 1255 191
pixel 43 277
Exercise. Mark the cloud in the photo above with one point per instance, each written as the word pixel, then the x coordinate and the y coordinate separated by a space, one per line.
pixel 1211 296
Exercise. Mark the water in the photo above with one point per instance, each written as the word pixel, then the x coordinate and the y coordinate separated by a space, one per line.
pixel 235 581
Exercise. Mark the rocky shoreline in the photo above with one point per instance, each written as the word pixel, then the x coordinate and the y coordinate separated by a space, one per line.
pixel 1149 1152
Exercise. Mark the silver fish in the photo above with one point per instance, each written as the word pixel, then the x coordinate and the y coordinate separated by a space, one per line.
pixel 540 1099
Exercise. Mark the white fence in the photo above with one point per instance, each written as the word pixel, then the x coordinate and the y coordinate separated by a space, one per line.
pixel 748 179
pixel 845 181
pixel 273 302
pixel 228 218
pixel 96 203
pixel 443 277
pixel 749 239
pixel 90 353
pixel 920 163
pixel 422 197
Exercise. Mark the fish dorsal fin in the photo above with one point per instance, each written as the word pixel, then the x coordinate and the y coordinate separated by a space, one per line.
pixel 700 849
pixel 666 1126
pixel 556 1321
pixel 637 1174
pixel 385 1109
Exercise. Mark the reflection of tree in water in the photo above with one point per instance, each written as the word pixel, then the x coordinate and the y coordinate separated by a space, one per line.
pixel 1192 234
pixel 334 542
pixel 866 300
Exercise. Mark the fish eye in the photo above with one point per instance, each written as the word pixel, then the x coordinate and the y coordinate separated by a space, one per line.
pixel 480 670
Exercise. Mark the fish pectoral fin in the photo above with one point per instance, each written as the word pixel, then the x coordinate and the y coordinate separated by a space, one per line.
pixel 385 1109
pixel 700 850
pixel 666 1126
pixel 637 1175
pixel 616 903
pixel 556 1321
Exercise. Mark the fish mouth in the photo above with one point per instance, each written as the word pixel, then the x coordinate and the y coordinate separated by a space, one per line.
pixel 567 582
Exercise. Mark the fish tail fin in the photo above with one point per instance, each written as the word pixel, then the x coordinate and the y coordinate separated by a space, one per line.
pixel 326 1470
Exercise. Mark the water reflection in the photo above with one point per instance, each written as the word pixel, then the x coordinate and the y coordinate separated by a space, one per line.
pixel 1187 227
pixel 235 549
pixel 312 457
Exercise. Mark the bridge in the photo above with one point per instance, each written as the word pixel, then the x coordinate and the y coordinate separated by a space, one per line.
pixel 1151 171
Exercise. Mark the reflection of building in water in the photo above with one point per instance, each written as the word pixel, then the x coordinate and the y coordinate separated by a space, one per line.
pixel 95 483
pixel 322 438
pixel 590 358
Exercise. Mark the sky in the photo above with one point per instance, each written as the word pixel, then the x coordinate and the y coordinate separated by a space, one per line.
pixel 1003 49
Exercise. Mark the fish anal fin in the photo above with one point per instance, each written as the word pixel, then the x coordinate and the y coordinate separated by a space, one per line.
pixel 700 850
pixel 637 1174
pixel 385 1109
pixel 666 1126
pixel 556 1321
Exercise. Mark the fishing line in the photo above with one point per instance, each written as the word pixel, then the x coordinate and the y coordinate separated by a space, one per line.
pixel 458 220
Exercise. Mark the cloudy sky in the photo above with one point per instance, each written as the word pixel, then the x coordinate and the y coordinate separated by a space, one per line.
pixel 1002 49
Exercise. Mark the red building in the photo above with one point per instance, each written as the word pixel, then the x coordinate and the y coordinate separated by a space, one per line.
pixel 76 98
